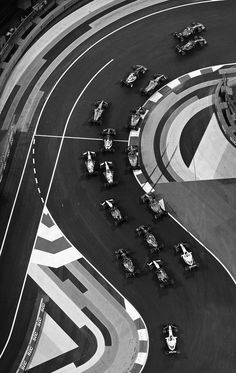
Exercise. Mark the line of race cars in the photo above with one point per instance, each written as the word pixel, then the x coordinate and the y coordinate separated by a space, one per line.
pixel 156 206
pixel 190 38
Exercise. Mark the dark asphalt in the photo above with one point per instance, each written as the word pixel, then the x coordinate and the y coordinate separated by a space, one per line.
pixel 193 303
pixel 203 305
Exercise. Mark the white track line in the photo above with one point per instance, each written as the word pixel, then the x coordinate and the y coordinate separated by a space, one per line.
pixel 33 139
pixel 49 188
pixel 77 138
pixel 196 239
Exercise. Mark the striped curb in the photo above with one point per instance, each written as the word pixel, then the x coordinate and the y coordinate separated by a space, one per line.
pixel 156 98
pixel 142 355
pixel 53 249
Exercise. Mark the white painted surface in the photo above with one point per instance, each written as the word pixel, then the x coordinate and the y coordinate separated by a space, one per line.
pixel 174 83
pixel 210 153
pixel 174 157
pixel 53 342
pixel 55 260
pixel 49 233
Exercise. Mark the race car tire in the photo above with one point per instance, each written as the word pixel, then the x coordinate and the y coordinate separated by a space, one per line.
pixel 176 247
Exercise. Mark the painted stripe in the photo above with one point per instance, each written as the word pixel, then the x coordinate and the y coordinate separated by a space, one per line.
pixel 133 313
pixel 195 73
pixel 70 308
pixel 173 159
pixel 156 97
pixel 143 335
pixel 174 83
pixel 77 138
pixel 55 260
pixel 209 153
pixel 49 233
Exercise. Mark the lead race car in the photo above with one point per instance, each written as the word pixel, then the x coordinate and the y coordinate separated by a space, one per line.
pixel 149 238
pixel 171 339
pixel 108 135
pixel 114 211
pixel 127 262
pixel 135 118
pixel 133 157
pixel 198 41
pixel 131 77
pixel 90 162
pixel 190 30
pixel 161 274
pixel 187 256
pixel 157 207
pixel 154 84
pixel 98 111
pixel 108 173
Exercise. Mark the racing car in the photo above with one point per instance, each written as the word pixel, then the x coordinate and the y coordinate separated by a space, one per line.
pixel 135 118
pixel 156 207
pixel 131 77
pixel 90 162
pixel 127 262
pixel 171 339
pixel 186 255
pixel 161 274
pixel 197 41
pixel 108 173
pixel 108 135
pixel 190 30
pixel 154 84
pixel 133 157
pixel 149 238
pixel 98 111
pixel 114 210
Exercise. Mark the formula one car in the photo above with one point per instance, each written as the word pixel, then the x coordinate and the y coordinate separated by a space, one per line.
pixel 198 41
pixel 135 118
pixel 170 339
pixel 149 238
pixel 190 30
pixel 108 135
pixel 186 255
pixel 127 262
pixel 160 273
pixel 114 210
pixel 133 157
pixel 108 173
pixel 157 207
pixel 154 84
pixel 90 163
pixel 130 78
pixel 98 111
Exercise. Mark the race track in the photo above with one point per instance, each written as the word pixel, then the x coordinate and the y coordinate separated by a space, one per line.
pixel 202 303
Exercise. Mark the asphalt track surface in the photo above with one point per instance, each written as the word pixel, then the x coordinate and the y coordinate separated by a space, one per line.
pixel 202 304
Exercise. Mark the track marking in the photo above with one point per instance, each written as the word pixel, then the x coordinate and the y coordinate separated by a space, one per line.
pixel 49 188
pixel 77 138
pixel 33 142
pixel 196 239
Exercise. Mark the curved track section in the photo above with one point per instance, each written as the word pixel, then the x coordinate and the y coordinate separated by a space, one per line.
pixel 202 304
